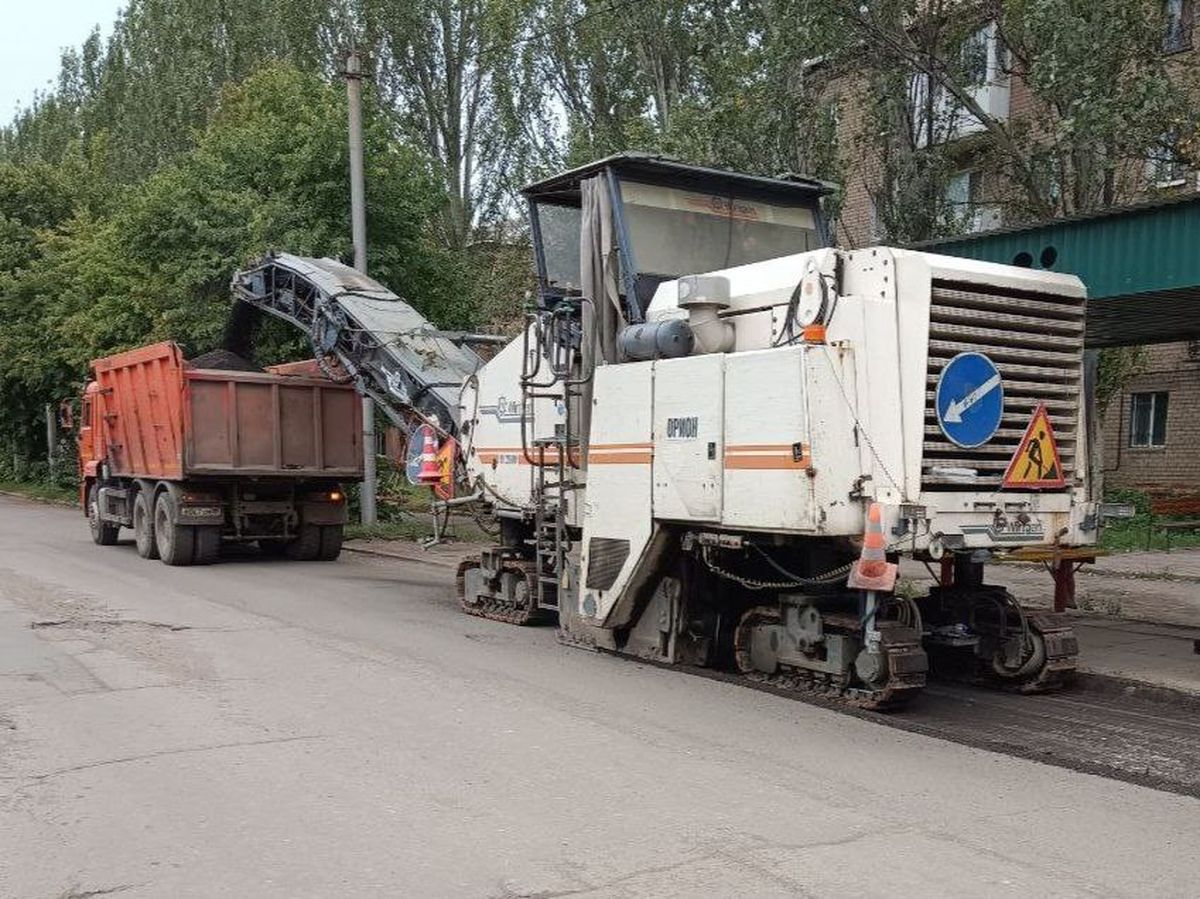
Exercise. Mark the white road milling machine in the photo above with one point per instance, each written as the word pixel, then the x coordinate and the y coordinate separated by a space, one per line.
pixel 717 435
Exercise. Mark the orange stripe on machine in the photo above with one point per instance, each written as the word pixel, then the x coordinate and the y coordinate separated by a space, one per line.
pixel 767 456
pixel 620 458
pixel 599 454
pixel 621 454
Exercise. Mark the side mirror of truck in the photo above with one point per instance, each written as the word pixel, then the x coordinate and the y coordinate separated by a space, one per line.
pixel 66 416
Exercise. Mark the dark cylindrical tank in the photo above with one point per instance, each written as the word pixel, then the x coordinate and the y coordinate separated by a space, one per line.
pixel 667 339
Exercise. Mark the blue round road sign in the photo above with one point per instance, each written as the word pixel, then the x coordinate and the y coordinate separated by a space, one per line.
pixel 412 458
pixel 969 400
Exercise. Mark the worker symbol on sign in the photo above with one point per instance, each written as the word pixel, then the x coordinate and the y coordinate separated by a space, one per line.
pixel 1036 464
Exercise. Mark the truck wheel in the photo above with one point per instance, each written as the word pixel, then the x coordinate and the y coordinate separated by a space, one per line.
pixel 143 527
pixel 306 546
pixel 104 533
pixel 208 544
pixel 331 542
pixel 176 542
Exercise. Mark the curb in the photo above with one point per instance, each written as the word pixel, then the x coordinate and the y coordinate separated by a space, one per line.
pixel 44 500
pixel 1122 573
pixel 399 557
pixel 1113 685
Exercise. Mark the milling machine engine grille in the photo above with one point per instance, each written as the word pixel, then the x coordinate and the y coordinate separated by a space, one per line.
pixel 1036 340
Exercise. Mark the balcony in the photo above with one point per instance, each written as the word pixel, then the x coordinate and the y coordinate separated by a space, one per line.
pixel 938 117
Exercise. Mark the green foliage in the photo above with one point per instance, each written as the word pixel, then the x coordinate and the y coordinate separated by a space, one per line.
pixel 38 489
pixel 704 80
pixel 143 92
pixel 460 81
pixel 405 511
pixel 269 170
pixel 1139 499
pixel 1102 93
pixel 1117 366
pixel 201 133
pixel 1099 69
pixel 1142 532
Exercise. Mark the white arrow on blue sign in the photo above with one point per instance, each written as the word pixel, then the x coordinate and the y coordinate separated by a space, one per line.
pixel 412 457
pixel 970 400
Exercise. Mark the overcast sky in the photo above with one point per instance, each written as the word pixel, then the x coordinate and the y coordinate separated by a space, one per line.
pixel 32 36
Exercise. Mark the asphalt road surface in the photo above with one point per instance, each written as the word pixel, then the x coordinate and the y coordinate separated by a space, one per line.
pixel 262 728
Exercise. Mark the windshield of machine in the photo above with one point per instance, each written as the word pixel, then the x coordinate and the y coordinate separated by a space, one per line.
pixel 560 244
pixel 678 232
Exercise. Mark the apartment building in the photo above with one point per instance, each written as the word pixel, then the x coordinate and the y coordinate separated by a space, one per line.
pixel 976 194
pixel 1151 429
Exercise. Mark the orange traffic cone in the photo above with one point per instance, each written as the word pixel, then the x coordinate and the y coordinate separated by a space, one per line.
pixel 431 472
pixel 873 571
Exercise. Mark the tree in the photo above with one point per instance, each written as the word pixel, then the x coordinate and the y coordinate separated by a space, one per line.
pixel 1101 88
pixel 443 67
pixel 269 170
pixel 154 81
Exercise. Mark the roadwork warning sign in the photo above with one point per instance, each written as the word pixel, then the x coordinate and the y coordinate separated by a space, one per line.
pixel 447 453
pixel 1036 464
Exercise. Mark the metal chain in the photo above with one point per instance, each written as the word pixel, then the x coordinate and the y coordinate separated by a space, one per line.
pixel 858 424
pixel 828 577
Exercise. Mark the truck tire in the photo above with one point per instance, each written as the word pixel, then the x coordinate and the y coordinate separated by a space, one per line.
pixel 176 542
pixel 306 546
pixel 208 544
pixel 104 533
pixel 143 527
pixel 331 542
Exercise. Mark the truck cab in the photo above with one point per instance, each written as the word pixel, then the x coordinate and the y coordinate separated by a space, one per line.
pixel 89 436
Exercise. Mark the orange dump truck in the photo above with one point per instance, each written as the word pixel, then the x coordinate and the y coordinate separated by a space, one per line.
pixel 192 457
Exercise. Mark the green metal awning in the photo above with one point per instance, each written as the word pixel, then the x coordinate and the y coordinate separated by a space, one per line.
pixel 1141 266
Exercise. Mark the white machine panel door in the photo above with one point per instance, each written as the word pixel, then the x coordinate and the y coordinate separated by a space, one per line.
pixel 688 438
pixel 768 454
pixel 617 522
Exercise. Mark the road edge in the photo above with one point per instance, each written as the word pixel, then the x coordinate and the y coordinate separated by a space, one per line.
pixel 43 500
pixel 1084 681
pixel 1116 685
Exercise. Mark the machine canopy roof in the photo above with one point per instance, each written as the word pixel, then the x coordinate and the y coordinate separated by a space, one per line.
pixel 787 190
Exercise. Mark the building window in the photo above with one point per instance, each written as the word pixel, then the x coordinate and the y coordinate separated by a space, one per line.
pixel 937 117
pixel 976 52
pixel 1180 17
pixel 1148 419
pixel 1164 166
pixel 965 209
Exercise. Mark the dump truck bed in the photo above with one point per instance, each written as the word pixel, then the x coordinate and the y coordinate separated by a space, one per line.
pixel 167 421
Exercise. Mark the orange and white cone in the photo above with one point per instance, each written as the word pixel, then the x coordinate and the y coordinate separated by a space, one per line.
pixel 431 471
pixel 873 571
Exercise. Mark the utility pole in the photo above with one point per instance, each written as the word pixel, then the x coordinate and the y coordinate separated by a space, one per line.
pixel 358 231
pixel 51 440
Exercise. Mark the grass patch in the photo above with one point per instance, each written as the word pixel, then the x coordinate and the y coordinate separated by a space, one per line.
pixel 460 529
pixel 46 493
pixel 1139 534
pixel 1142 533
